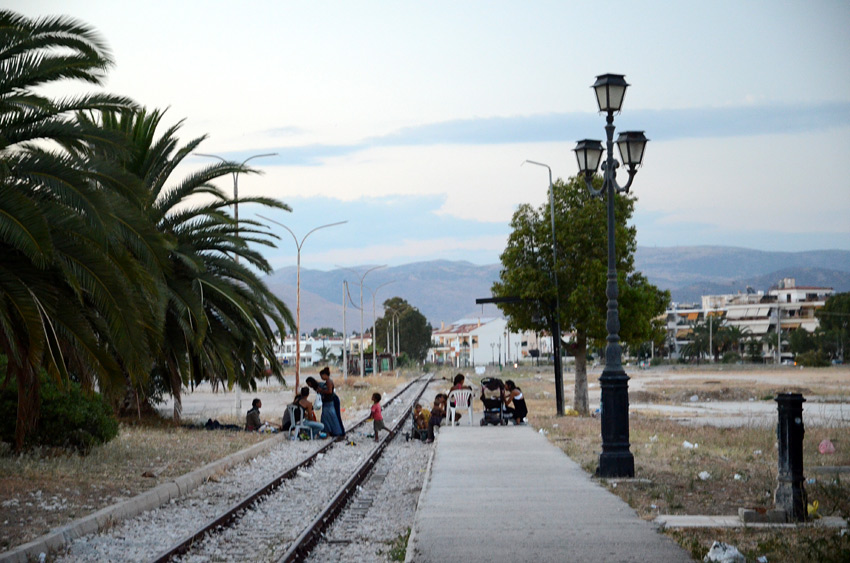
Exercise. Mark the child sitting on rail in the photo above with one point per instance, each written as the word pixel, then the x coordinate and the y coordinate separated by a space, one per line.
pixel 421 416
pixel 438 413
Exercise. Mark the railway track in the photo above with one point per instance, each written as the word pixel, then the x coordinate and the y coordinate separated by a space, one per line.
pixel 280 519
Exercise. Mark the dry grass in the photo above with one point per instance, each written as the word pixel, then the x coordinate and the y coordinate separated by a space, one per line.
pixel 43 489
pixel 741 461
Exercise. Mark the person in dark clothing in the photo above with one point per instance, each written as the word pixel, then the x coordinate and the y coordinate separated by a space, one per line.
pixel 325 374
pixel 438 413
pixel 515 402
pixel 333 425
pixel 252 419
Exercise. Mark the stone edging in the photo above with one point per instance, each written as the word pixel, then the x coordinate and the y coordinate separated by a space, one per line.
pixel 411 539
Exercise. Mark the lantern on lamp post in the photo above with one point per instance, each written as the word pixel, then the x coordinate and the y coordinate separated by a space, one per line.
pixel 615 460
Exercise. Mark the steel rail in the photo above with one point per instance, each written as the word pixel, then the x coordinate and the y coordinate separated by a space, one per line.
pixel 304 544
pixel 232 514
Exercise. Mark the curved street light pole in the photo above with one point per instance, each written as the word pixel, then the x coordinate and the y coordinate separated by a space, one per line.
pixel 236 183
pixel 298 246
pixel 362 357
pixel 615 460
pixel 555 317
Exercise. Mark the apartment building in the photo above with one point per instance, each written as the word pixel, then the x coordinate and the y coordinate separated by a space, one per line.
pixel 781 310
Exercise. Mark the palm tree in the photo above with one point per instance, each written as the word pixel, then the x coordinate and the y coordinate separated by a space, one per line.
pixel 219 320
pixel 59 287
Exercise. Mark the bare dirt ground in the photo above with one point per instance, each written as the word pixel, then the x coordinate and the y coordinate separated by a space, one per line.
pixel 731 415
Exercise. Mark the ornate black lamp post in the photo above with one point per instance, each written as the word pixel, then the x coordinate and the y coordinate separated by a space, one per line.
pixel 615 460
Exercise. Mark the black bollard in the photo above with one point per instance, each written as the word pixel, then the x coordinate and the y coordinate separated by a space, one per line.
pixel 791 491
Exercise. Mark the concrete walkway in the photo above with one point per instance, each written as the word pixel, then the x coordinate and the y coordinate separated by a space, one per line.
pixel 507 494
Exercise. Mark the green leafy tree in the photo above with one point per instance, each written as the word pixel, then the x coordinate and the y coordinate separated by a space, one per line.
pixel 834 319
pixel 699 346
pixel 65 299
pixel 414 331
pixel 581 233
pixel 323 332
pixel 730 338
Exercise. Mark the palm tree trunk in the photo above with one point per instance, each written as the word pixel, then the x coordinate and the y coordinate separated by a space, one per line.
pixel 176 385
pixel 580 397
pixel 130 402
pixel 28 403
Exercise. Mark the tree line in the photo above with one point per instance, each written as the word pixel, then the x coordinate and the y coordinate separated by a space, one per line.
pixel 115 272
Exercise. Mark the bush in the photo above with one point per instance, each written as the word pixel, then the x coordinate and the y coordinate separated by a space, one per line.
pixel 70 418
pixel 812 359
pixel 731 358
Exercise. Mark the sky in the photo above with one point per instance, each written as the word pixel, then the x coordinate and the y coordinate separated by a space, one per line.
pixel 410 120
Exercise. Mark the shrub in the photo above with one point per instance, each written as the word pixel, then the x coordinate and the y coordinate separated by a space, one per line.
pixel 70 418
pixel 812 359
pixel 731 358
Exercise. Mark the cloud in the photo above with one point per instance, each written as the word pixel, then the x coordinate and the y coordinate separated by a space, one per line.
pixel 395 229
pixel 283 131
pixel 660 125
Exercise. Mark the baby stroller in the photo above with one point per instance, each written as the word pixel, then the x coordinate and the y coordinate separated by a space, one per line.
pixel 493 397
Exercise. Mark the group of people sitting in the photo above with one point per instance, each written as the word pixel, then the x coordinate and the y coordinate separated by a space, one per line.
pixel 331 418
pixel 426 420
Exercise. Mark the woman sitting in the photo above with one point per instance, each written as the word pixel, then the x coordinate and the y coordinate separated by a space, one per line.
pixel 459 383
pixel 301 400
pixel 329 417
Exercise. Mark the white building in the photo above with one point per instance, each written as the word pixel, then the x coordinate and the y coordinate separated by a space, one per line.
pixel 479 342
pixel 322 350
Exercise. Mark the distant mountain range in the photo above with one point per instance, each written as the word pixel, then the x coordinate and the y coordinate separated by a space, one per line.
pixel 445 291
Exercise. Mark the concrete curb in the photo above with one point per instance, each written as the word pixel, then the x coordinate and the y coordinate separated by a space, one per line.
pixel 111 515
pixel 411 540
pixel 669 521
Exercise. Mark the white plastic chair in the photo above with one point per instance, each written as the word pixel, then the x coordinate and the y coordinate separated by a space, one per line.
pixel 462 400
pixel 297 413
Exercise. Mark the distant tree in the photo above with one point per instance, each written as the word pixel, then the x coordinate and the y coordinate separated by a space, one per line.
pixel 801 341
pixel 698 347
pixel 414 331
pixel 325 353
pixel 581 231
pixel 754 348
pixel 323 333
pixel 834 319
pixel 835 313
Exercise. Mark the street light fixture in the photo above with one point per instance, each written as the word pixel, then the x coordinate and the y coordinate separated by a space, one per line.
pixel 362 364
pixel 298 246
pixel 236 183
pixel 374 293
pixel 615 460
pixel 555 316
pixel 393 339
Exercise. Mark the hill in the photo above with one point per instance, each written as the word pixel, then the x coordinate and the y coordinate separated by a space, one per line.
pixel 445 291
